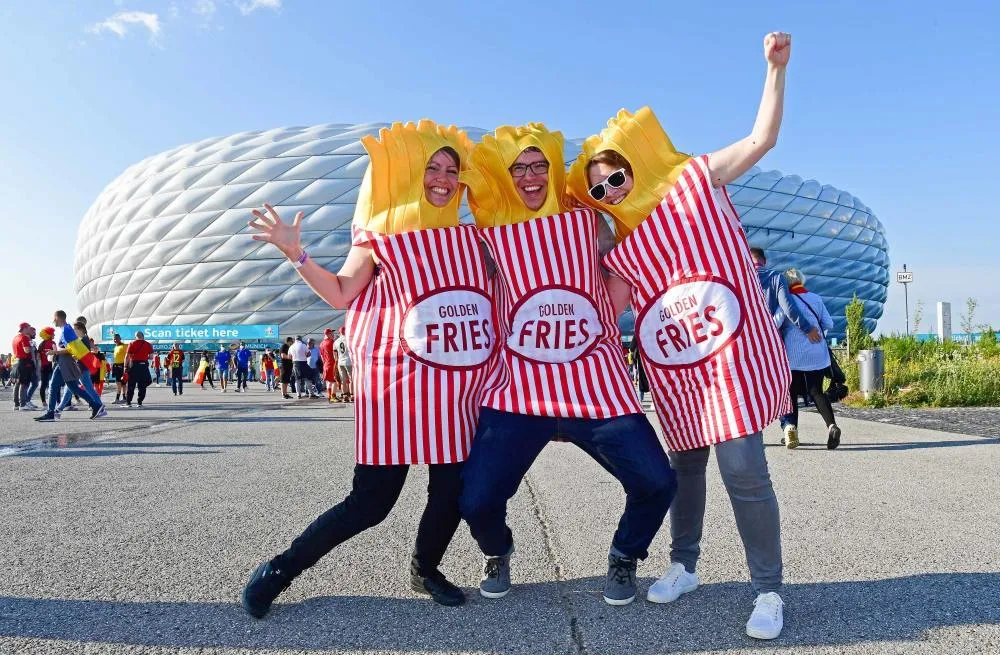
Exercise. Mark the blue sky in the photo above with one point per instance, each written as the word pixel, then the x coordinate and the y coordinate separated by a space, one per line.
pixel 895 102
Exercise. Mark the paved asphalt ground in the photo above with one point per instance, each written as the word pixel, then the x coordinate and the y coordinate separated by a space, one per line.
pixel 138 536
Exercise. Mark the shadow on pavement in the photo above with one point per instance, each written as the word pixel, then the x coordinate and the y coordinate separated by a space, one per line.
pixel 533 618
pixel 107 452
pixel 917 445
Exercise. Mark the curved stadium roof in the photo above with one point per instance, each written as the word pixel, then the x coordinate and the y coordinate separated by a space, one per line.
pixel 166 242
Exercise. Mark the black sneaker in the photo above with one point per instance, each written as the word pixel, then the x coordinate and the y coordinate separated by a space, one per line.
pixel 265 583
pixel 437 586
pixel 833 440
pixel 619 587
pixel 47 416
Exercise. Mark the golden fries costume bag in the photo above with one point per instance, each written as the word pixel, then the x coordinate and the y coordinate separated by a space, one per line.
pixel 421 333
pixel 560 348
pixel 715 361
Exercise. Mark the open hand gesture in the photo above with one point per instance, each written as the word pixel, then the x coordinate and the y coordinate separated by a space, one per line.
pixel 286 237
pixel 777 48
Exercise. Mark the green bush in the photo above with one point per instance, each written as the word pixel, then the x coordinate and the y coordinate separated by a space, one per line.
pixel 929 373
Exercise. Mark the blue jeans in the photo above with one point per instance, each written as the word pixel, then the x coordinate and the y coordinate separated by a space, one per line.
pixel 33 388
pixel 177 380
pixel 87 384
pixel 744 472
pixel 507 444
pixel 55 387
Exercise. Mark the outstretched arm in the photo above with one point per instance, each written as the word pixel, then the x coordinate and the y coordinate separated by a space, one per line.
pixel 734 160
pixel 339 289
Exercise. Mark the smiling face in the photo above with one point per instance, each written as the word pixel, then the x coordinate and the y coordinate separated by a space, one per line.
pixel 598 172
pixel 441 178
pixel 533 187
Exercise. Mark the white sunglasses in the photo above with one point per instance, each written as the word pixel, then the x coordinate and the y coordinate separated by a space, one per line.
pixel 613 181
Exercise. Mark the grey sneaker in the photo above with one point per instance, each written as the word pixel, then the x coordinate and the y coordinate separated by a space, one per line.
pixel 496 576
pixel 619 588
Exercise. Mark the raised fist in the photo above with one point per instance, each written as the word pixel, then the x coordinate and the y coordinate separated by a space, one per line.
pixel 777 48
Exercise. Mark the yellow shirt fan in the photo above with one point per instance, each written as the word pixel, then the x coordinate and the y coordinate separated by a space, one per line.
pixel 493 198
pixel 391 199
pixel 655 162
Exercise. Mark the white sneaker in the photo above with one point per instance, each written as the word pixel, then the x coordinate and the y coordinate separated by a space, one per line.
pixel 767 618
pixel 674 583
pixel 29 405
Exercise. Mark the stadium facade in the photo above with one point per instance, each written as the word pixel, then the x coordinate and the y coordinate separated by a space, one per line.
pixel 167 241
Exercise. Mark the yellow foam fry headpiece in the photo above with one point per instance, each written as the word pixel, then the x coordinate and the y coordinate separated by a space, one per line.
pixel 493 198
pixel 655 162
pixel 392 199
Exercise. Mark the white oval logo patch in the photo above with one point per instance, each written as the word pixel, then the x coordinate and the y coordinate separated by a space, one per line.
pixel 554 325
pixel 689 322
pixel 450 329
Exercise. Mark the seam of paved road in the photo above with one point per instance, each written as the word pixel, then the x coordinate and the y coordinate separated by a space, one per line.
pixel 566 600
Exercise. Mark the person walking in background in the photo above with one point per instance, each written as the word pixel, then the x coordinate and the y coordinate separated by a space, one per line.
pixel 5 372
pixel 137 365
pixel 641 381
pixel 222 361
pixel 344 366
pixel 24 366
pixel 118 369
pixel 35 379
pixel 299 353
pixel 243 357
pixel 313 362
pixel 784 310
pixel 267 369
pixel 809 362
pixel 209 359
pixel 45 362
pixel 67 371
pixel 329 362
pixel 287 368
pixel 97 377
pixel 86 378
pixel 157 365
pixel 175 366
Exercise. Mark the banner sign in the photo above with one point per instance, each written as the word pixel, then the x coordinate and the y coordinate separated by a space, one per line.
pixel 187 332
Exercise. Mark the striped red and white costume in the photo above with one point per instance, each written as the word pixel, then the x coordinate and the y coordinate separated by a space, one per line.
pixel 716 364
pixel 560 348
pixel 421 340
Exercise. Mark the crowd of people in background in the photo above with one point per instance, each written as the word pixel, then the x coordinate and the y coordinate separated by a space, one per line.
pixel 67 368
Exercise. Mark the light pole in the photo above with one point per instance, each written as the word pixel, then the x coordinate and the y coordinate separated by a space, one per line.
pixel 905 277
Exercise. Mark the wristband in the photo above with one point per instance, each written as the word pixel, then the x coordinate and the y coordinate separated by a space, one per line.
pixel 298 263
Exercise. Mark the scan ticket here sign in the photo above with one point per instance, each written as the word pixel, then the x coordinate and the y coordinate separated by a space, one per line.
pixel 450 329
pixel 690 322
pixel 555 325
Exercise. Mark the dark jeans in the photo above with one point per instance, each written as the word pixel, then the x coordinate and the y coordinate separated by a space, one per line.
pixel 177 380
pixel 375 491
pixel 506 445
pixel 241 377
pixel 301 376
pixel 44 387
pixel 26 375
pixel 138 376
pixel 810 382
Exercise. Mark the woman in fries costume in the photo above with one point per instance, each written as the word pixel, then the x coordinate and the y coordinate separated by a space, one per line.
pixel 421 337
pixel 561 373
pixel 715 361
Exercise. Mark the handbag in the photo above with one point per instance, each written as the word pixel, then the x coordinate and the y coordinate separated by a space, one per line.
pixel 833 371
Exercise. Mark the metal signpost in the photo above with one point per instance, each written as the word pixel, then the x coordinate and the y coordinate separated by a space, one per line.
pixel 905 277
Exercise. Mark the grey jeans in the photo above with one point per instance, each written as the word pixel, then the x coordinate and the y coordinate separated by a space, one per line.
pixel 744 472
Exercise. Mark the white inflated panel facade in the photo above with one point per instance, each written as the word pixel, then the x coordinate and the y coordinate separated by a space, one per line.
pixel 167 241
